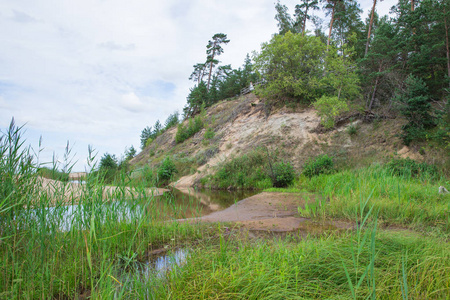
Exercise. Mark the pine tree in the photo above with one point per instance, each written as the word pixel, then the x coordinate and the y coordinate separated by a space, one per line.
pixel 214 49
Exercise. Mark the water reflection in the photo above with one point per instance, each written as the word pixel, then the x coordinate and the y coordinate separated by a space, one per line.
pixel 175 204
pixel 161 265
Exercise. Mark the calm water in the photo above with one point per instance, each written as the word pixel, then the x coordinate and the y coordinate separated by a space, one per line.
pixel 174 204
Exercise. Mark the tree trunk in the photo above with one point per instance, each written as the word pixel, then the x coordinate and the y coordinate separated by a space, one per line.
pixel 370 26
pixel 331 26
pixel 304 21
pixel 412 5
pixel 374 90
pixel 446 44
pixel 210 67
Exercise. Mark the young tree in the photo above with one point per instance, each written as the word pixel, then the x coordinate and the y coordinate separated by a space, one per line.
pixel 130 153
pixel 414 104
pixel 157 129
pixel 146 134
pixel 172 120
pixel 214 49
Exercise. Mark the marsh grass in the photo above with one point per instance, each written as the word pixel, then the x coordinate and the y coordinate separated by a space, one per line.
pixel 61 245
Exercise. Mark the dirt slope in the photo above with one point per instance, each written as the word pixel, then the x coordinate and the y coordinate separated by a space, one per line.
pixel 247 122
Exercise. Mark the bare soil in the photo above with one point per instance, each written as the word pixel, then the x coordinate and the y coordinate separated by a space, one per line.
pixel 274 212
pixel 71 193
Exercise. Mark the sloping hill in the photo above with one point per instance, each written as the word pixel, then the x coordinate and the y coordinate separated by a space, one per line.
pixel 294 134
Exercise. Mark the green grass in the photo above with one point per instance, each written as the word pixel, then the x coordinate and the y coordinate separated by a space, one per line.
pixel 401 200
pixel 103 253
pixel 313 269
pixel 41 258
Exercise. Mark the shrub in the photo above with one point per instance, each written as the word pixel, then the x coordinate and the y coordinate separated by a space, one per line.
pixel 329 108
pixel 410 168
pixel 283 174
pixel 166 170
pixel 183 132
pixel 209 134
pixel 322 164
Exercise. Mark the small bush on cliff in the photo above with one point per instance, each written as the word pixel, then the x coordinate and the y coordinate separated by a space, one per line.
pixel 185 132
pixel 322 164
pixel 166 170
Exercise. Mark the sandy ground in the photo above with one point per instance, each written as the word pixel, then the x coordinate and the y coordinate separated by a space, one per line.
pixel 275 212
pixel 71 192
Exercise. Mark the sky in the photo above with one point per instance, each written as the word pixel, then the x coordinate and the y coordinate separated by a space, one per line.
pixel 97 72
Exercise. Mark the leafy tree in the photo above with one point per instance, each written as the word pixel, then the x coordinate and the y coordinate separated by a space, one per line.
pixel 293 65
pixel 214 49
pixel 108 161
pixel 296 67
pixel 329 108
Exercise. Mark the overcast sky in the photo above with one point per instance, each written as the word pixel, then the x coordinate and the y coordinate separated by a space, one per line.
pixel 96 72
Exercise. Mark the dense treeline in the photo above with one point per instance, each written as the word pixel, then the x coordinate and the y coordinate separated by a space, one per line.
pixel 398 64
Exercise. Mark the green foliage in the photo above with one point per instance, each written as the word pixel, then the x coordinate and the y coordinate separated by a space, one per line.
pixel 414 104
pixel 130 153
pixel 352 129
pixel 246 171
pixel 293 66
pixel 185 132
pixel 283 174
pixel 209 133
pixel 297 66
pixel 172 120
pixel 146 135
pixel 53 173
pixel 108 167
pixel 166 170
pixel 197 97
pixel 411 168
pixel 329 108
pixel 322 164
pixel 252 170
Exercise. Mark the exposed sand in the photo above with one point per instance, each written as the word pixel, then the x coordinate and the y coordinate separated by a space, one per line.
pixel 275 212
pixel 71 192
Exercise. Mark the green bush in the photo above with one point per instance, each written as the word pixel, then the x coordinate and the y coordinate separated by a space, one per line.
pixel 246 171
pixel 209 134
pixel 283 174
pixel 185 132
pixel 322 164
pixel 410 168
pixel 166 170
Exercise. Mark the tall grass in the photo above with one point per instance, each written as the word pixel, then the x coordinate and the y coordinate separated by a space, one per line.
pixel 401 200
pixel 58 244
